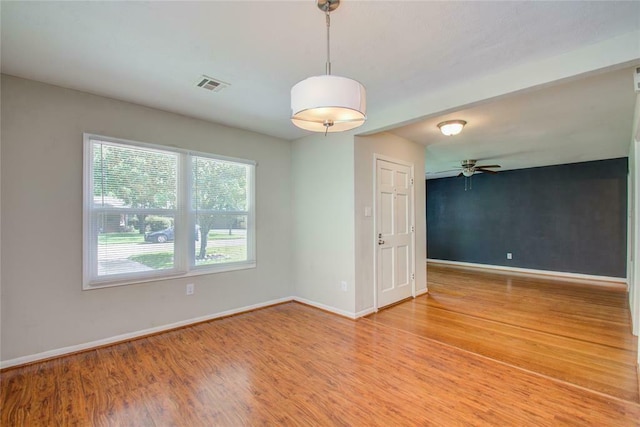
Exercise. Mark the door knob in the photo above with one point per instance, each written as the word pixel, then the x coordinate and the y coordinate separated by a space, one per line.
pixel 380 242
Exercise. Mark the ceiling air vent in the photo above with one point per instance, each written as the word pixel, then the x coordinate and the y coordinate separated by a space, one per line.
pixel 213 85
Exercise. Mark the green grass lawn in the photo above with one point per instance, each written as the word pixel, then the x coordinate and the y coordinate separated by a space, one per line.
pixel 223 254
pixel 158 261
pixel 135 237
pixel 216 235
pixel 164 260
pixel 115 238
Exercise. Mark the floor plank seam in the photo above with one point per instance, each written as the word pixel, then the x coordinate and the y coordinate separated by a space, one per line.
pixel 503 363
pixel 531 329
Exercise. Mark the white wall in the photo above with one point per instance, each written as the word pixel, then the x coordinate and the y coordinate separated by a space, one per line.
pixel 634 226
pixel 632 238
pixel 400 149
pixel 0 230
pixel 634 266
pixel 43 306
pixel 323 224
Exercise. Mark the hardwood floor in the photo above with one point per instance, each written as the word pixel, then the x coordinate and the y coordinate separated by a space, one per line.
pixel 575 332
pixel 294 365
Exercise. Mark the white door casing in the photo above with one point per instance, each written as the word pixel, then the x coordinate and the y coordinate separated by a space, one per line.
pixel 394 225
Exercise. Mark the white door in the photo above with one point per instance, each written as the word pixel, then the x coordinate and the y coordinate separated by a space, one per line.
pixel 394 229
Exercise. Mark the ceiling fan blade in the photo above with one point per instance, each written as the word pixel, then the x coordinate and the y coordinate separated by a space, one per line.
pixel 448 170
pixel 489 166
pixel 459 175
pixel 485 170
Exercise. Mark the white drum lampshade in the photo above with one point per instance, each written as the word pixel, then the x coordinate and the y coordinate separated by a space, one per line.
pixel 328 104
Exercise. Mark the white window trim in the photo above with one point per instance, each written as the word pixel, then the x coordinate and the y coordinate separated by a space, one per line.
pixel 184 267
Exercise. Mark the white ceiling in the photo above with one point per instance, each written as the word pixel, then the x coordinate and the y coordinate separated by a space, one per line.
pixel 413 56
pixel 581 120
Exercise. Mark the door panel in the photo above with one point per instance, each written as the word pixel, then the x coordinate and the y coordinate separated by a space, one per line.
pixel 394 207
pixel 386 268
pixel 386 177
pixel 386 213
pixel 402 258
pixel 402 213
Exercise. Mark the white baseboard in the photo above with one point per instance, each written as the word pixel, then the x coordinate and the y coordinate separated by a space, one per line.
pixel 365 312
pixel 557 274
pixel 131 335
pixel 350 315
pixel 328 308
pixel 422 292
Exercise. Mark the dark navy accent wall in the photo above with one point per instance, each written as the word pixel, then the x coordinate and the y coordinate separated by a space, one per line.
pixel 566 218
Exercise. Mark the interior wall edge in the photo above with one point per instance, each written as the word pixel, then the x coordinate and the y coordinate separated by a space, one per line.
pixel 587 278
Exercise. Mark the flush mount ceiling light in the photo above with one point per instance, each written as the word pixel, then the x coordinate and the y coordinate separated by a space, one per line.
pixel 328 103
pixel 451 127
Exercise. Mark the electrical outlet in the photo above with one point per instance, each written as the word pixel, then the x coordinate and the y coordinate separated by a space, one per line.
pixel 509 255
pixel 343 286
pixel 191 288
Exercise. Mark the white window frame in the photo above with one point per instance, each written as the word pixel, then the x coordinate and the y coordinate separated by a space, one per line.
pixel 184 215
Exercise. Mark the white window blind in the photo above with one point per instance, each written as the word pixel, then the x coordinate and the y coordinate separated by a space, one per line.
pixel 153 212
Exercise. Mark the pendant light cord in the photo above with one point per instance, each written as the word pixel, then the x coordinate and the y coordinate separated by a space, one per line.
pixel 327 6
pixel 328 19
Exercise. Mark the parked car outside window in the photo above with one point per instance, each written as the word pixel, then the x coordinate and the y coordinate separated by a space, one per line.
pixel 166 235
pixel 161 236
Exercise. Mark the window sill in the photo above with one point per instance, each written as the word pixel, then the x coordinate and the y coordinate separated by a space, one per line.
pixel 197 271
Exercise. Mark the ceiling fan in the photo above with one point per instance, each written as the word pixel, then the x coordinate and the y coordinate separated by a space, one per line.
pixel 469 168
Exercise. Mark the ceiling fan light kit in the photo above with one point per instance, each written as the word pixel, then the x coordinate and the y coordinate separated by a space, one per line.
pixel 469 168
pixel 328 103
pixel 451 127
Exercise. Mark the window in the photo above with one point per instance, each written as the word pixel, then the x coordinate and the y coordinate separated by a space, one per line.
pixel 153 212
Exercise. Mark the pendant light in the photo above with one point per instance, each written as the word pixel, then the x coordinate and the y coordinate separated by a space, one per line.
pixel 328 103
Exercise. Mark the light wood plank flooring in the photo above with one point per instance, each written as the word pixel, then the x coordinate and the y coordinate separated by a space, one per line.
pixel 572 331
pixel 294 365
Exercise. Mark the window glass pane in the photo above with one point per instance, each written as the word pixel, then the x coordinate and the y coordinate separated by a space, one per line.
pixel 127 251
pixel 220 201
pixel 132 177
pixel 222 239
pixel 219 185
